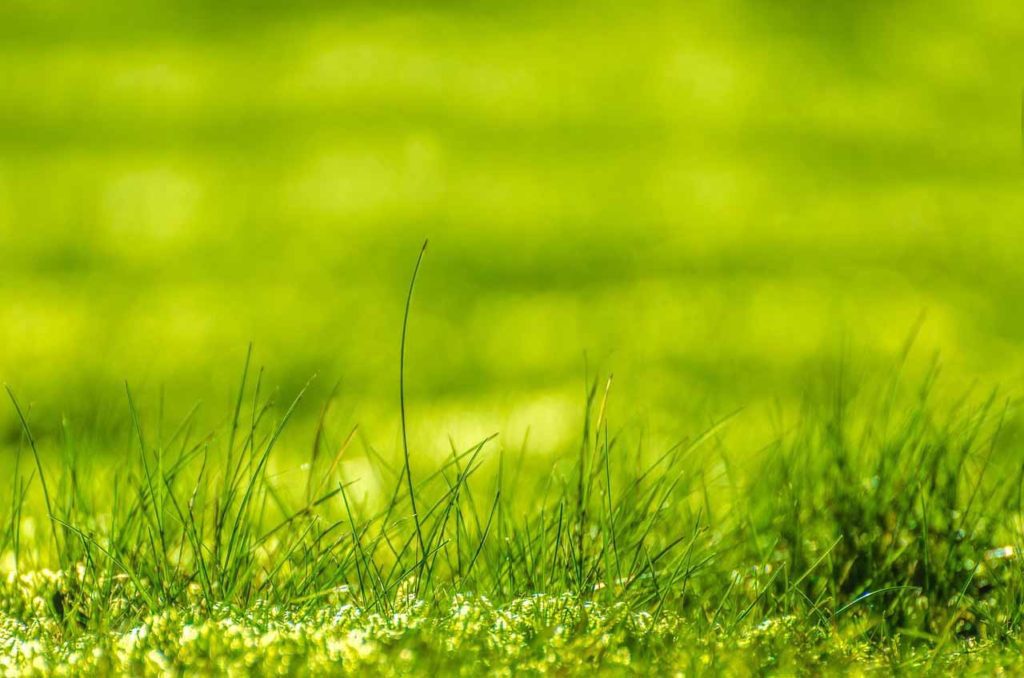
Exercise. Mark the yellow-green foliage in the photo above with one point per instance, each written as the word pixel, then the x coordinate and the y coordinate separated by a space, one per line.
pixel 766 218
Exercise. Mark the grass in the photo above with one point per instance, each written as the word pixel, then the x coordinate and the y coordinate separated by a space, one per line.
pixel 743 209
pixel 193 556
pixel 880 531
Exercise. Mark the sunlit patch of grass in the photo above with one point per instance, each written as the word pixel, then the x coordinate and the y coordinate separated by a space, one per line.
pixel 880 530
pixel 714 199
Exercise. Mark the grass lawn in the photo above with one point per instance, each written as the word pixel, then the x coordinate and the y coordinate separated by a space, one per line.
pixel 790 230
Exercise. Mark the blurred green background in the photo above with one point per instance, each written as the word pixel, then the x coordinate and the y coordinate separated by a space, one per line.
pixel 712 200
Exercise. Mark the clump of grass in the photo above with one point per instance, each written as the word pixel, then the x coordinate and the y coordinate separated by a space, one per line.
pixel 908 517
pixel 201 514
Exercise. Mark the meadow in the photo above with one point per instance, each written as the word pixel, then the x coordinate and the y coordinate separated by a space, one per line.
pixel 711 366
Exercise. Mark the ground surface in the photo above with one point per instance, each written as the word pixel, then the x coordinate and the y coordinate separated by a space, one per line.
pixel 792 232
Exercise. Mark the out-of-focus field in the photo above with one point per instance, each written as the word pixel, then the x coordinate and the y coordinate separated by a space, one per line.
pixel 712 200
pixel 734 206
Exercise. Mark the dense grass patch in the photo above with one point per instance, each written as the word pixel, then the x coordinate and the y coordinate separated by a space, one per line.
pixel 880 529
